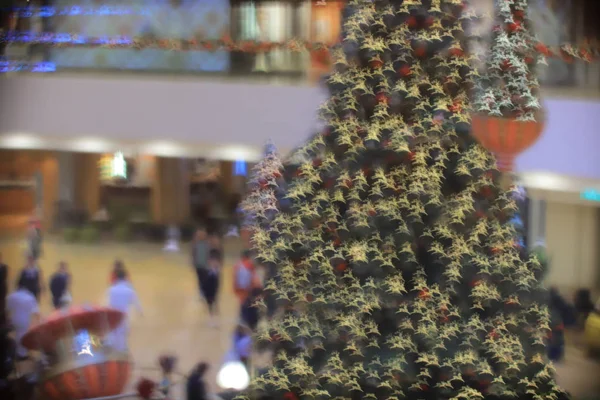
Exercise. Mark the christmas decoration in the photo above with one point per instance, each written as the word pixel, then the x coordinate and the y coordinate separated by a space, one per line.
pixel 396 272
pixel 587 51
pixel 260 204
pixel 508 117
pixel 80 365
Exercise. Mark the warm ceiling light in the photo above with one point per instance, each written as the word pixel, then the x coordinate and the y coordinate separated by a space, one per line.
pixel 92 145
pixel 21 141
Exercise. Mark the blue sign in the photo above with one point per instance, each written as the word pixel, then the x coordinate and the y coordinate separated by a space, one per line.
pixel 590 195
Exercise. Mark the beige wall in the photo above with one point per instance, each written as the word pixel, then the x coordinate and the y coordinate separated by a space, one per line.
pixel 87 182
pixel 17 205
pixel 170 200
pixel 572 239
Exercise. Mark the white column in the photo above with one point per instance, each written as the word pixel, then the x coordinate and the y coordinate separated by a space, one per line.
pixel 536 218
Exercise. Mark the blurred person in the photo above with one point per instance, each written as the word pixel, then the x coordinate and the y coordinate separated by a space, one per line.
pixel 3 290
pixel 121 296
pixel 60 283
pixel 562 315
pixel 216 244
pixel 245 277
pixel 583 305
pixel 196 388
pixel 209 285
pixel 23 310
pixel 34 242
pixel 31 278
pixel 118 266
pixel 242 344
pixel 200 253
pixel 249 313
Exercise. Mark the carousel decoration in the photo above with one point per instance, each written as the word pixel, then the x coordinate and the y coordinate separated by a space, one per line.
pixel 78 365
pixel 508 116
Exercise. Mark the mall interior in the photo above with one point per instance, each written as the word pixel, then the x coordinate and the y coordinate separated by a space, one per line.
pixel 111 146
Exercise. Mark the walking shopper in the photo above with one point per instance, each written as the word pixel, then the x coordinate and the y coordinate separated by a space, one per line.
pixel 249 313
pixel 209 285
pixel 59 286
pixel 245 277
pixel 118 266
pixel 200 253
pixel 31 278
pixel 122 297
pixel 23 309
pixel 195 385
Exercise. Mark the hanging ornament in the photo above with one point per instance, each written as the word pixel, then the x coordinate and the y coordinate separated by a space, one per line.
pixel 506 137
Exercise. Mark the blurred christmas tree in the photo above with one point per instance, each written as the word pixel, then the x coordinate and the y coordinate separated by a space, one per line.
pixel 260 205
pixel 397 270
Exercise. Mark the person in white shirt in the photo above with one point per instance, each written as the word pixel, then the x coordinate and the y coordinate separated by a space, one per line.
pixel 122 296
pixel 22 308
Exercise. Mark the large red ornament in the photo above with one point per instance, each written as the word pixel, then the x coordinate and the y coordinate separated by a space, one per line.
pixel 80 365
pixel 506 137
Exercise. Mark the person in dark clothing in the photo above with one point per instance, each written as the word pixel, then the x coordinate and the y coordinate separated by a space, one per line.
pixel 3 290
pixel 583 305
pixel 249 313
pixel 195 385
pixel 209 285
pixel 59 285
pixel 31 278
pixel 200 252
pixel 562 315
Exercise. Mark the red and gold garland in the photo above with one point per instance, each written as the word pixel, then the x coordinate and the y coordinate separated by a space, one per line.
pixel 586 52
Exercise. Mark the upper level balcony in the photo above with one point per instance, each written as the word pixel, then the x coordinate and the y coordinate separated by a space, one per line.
pixel 71 24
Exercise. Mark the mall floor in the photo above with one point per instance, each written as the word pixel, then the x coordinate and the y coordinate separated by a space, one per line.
pixel 175 321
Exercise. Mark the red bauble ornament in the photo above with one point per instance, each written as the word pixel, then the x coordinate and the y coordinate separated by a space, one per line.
pixel 404 71
pixel 424 294
pixel 337 242
pixel 495 250
pixel 382 98
pixel 514 26
pixel 290 396
pixel 349 183
pixel 310 298
pixel 411 22
pixel 411 156
pixel 372 212
pixel 456 51
pixel 541 48
pixel 429 21
pixel 519 14
pixel 376 64
pixel 506 65
pixel 424 388
pixel 316 162
pixel 420 51
pixel 341 267
pixel 145 388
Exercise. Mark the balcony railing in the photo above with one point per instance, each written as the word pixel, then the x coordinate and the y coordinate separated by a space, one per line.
pixel 556 22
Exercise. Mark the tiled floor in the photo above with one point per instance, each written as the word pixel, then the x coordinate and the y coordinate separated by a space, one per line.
pixel 175 320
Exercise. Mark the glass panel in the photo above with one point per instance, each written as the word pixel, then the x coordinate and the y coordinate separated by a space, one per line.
pixel 169 19
pixel 553 21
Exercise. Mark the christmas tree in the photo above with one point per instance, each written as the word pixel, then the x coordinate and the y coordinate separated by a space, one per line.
pixel 260 205
pixel 397 271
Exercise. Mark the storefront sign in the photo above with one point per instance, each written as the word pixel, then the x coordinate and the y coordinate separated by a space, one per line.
pixel 590 195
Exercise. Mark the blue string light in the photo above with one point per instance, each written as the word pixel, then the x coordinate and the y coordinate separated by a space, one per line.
pixel 14 66
pixel 48 12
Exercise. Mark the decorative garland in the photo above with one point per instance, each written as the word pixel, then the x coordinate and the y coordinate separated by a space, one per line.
pixel 568 53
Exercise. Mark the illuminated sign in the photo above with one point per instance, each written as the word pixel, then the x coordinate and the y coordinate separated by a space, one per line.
pixel 118 166
pixel 590 195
